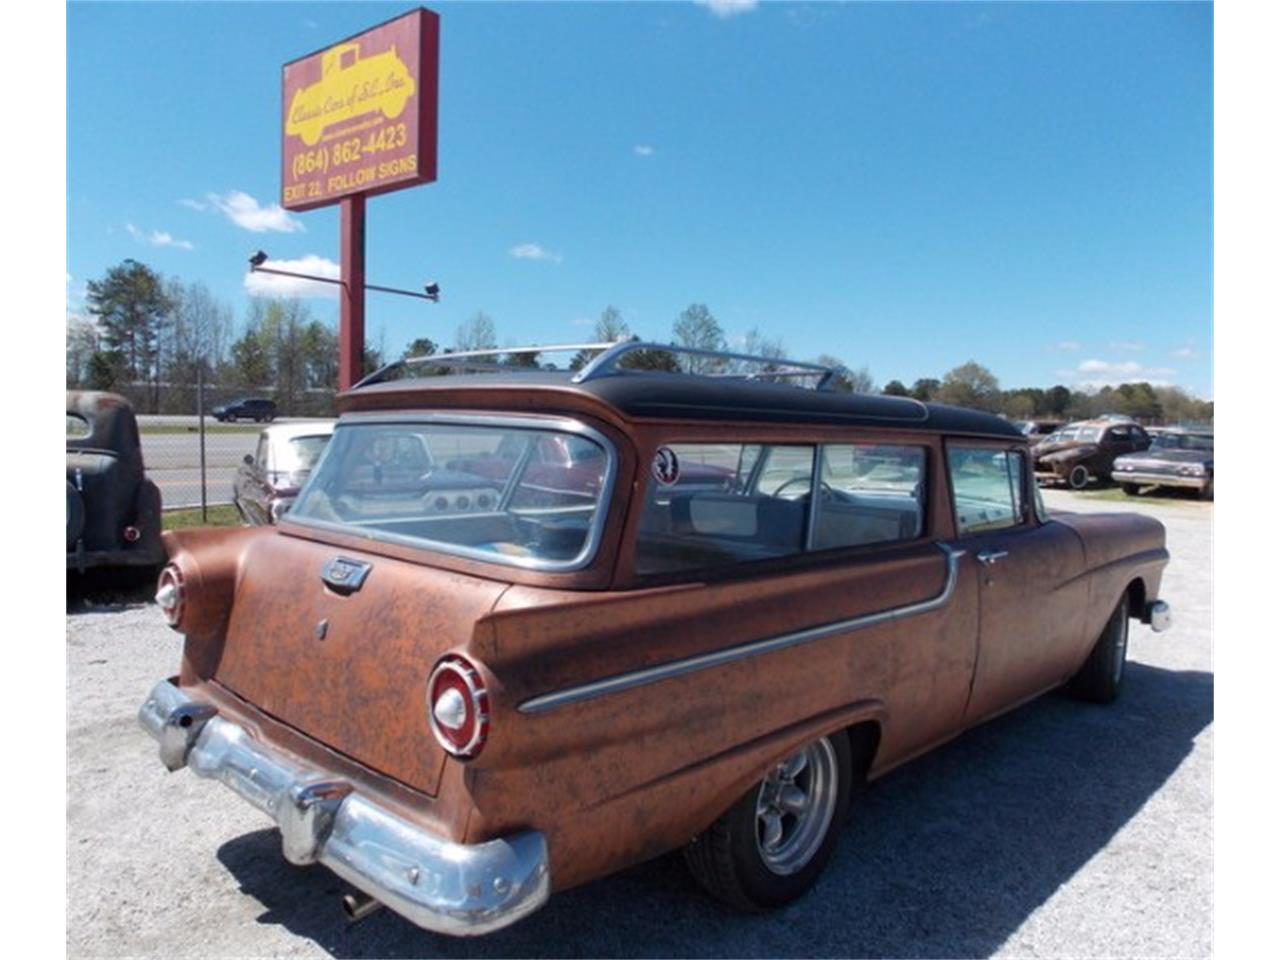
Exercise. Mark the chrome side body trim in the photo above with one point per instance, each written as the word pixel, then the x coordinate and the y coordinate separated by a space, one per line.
pixel 454 888
pixel 705 661
pixel 595 533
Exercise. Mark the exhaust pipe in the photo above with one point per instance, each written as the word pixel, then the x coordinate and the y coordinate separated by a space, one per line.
pixel 358 906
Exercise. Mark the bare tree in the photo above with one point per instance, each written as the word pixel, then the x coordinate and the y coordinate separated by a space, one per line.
pixel 609 328
pixel 478 333
pixel 696 327
pixel 82 344
pixel 847 380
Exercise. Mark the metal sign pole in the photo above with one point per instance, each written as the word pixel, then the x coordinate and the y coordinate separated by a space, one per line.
pixel 351 323
pixel 204 489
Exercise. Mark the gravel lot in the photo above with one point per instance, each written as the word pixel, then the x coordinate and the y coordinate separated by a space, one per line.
pixel 1061 829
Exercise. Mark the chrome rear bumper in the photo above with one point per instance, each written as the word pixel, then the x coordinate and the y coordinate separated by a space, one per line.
pixel 447 887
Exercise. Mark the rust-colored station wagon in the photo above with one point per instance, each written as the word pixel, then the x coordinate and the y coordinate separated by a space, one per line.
pixel 523 629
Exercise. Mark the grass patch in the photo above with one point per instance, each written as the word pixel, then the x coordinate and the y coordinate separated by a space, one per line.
pixel 222 515
pixel 1170 495
pixel 162 429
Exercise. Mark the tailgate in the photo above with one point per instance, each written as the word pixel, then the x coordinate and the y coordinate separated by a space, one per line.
pixel 357 683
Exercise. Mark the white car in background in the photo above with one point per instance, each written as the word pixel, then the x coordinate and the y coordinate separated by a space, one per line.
pixel 269 478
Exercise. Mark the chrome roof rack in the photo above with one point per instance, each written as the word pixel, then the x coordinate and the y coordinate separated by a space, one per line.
pixel 477 361
pixel 708 363
pixel 609 361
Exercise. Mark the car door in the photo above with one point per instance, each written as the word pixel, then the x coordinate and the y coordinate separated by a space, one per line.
pixel 1029 574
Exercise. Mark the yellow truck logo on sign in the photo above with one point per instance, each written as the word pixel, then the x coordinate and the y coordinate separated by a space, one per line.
pixel 349 86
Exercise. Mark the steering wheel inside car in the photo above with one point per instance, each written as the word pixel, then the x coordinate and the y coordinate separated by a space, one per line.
pixel 828 492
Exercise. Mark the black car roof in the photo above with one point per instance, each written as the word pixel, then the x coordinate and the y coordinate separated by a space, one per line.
pixel 654 394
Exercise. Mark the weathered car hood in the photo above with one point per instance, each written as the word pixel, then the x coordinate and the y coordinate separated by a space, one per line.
pixel 349 669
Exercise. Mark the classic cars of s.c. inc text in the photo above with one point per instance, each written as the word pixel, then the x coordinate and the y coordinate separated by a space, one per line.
pixel 623 611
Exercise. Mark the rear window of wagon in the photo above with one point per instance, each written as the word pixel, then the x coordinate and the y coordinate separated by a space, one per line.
pixel 476 488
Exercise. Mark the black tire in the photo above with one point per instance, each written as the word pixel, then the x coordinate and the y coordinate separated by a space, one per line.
pixel 1078 478
pixel 1131 489
pixel 1098 681
pixel 726 858
pixel 75 515
pixel 1207 492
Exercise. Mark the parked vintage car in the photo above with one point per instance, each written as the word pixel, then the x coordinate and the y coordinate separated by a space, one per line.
pixel 460 712
pixel 1177 457
pixel 1085 451
pixel 113 510
pixel 257 409
pixel 271 476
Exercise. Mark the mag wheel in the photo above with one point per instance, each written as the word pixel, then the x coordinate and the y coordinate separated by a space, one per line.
pixel 771 846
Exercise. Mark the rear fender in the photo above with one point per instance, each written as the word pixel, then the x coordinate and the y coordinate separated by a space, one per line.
pixel 208 560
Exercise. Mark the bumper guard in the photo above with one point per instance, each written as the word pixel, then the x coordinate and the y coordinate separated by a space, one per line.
pixel 453 888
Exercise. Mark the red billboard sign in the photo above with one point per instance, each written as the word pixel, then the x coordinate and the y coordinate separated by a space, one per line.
pixel 360 116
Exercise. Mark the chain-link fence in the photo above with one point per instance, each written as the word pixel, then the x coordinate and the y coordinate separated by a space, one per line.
pixel 194 448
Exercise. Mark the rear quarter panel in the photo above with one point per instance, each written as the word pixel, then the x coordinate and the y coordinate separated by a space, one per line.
pixel 1120 548
pixel 634 773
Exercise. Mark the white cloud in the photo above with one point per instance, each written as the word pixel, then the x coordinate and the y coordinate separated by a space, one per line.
pixel 1133 346
pixel 158 238
pixel 244 211
pixel 1095 374
pixel 642 150
pixel 1184 353
pixel 728 8
pixel 534 251
pixel 582 321
pixel 1068 345
pixel 270 285
pixel 193 204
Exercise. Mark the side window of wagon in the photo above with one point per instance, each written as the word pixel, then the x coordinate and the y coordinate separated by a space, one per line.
pixel 708 505
pixel 870 493
pixel 988 487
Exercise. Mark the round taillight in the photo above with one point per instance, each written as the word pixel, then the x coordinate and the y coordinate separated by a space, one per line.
pixel 171 594
pixel 458 707
pixel 131 534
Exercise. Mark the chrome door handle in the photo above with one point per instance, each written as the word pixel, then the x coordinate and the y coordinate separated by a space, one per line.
pixel 988 557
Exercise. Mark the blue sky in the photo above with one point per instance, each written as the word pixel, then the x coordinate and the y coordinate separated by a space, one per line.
pixel 904 186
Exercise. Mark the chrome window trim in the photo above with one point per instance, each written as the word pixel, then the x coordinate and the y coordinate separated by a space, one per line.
pixel 815 491
pixel 595 533
pixel 716 658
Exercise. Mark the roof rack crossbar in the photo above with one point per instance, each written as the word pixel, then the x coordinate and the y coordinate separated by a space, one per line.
pixel 607 363
pixel 458 358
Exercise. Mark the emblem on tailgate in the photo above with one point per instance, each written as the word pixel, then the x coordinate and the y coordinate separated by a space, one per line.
pixel 345 575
